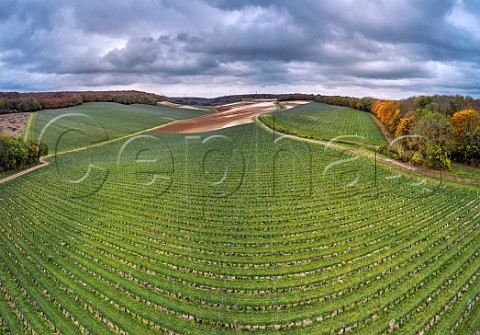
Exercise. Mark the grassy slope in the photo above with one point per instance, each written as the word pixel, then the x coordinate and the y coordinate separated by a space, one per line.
pixel 27 132
pixel 295 244
pixel 327 122
pixel 464 171
pixel 96 122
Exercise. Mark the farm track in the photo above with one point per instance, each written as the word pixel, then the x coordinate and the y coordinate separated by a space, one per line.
pixel 382 127
pixel 24 172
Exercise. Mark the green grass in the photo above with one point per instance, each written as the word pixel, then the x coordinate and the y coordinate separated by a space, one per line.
pixel 327 122
pixel 234 234
pixel 97 122
pixel 463 171
pixel 27 133
pixel 472 323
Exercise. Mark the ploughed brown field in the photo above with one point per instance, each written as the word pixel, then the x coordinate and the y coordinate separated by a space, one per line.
pixel 226 116
pixel 13 124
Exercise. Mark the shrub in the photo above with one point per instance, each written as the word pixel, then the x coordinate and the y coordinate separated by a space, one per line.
pixel 15 154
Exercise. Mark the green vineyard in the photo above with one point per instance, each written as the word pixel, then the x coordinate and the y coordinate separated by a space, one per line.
pixel 327 122
pixel 238 231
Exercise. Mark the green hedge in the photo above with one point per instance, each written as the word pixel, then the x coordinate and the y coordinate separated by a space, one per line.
pixel 15 154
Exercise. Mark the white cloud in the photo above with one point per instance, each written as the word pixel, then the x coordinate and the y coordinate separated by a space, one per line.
pixel 460 17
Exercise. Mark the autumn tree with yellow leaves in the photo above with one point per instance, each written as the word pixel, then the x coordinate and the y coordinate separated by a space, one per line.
pixel 465 122
pixel 388 111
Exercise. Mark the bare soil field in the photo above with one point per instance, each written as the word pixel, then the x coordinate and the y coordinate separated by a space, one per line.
pixel 293 104
pixel 13 124
pixel 171 104
pixel 226 116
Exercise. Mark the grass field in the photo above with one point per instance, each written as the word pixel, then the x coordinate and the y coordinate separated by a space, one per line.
pixel 90 123
pixel 327 122
pixel 463 171
pixel 27 133
pixel 234 232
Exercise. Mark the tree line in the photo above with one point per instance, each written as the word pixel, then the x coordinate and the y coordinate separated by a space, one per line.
pixel 13 102
pixel 431 131
pixel 16 154
pixel 227 99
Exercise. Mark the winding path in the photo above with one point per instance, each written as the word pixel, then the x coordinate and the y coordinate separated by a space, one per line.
pixel 384 130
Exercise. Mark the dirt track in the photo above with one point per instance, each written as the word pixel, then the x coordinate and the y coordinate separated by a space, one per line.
pixel 226 116
pixel 384 130
pixel 33 168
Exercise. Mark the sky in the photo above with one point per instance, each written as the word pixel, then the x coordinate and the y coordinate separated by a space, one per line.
pixel 209 48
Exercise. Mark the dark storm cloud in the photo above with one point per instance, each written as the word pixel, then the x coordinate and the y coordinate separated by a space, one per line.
pixel 164 55
pixel 215 47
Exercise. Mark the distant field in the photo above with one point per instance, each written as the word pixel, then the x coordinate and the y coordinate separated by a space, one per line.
pixel 291 239
pixel 96 122
pixel 327 122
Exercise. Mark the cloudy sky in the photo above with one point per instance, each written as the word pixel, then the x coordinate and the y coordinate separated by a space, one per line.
pixel 208 48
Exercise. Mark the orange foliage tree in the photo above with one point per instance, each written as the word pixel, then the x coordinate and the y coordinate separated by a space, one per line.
pixel 404 126
pixel 465 122
pixel 388 112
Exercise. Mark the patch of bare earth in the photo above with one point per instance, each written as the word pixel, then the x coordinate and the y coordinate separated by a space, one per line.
pixel 13 124
pixel 293 104
pixel 171 104
pixel 226 116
